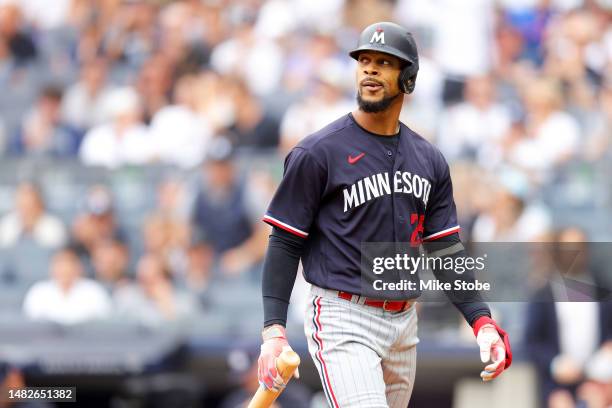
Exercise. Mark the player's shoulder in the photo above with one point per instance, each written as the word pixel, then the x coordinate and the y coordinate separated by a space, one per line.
pixel 426 154
pixel 327 136
pixel 421 145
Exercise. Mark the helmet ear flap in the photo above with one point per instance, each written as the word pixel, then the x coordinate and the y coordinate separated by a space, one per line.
pixel 407 80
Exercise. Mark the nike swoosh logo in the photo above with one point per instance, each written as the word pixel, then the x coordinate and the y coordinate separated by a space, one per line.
pixel 353 160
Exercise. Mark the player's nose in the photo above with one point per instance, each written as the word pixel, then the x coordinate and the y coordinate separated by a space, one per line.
pixel 370 69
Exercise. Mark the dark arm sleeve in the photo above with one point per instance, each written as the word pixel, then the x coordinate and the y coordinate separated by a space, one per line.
pixel 291 213
pixel 441 238
pixel 469 303
pixel 279 272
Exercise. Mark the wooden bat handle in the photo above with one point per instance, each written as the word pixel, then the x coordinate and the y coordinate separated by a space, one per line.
pixel 286 364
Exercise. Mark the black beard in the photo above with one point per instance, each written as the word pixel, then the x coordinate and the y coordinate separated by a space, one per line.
pixel 375 107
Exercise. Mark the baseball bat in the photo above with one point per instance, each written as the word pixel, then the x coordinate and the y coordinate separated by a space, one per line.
pixel 286 364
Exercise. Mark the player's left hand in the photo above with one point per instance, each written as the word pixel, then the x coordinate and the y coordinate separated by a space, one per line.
pixel 494 346
pixel 275 342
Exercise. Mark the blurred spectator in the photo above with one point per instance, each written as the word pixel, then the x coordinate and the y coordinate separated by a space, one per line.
pixel 575 53
pixel 255 59
pixel 67 297
pixel 253 126
pixel 110 260
pixel 43 131
pixel 154 300
pixel 12 33
pixel 47 18
pixel 185 39
pixel 129 37
pixel 166 231
pixel 563 335
pixel 276 18
pixel 509 215
pixel 531 23
pixel 214 30
pixel 551 136
pixel 168 238
pixel 214 100
pixel 180 132
pixel 463 42
pixel 320 16
pixel 88 45
pixel 83 104
pixel 196 277
pixel 305 56
pixel 474 128
pixel 227 212
pixel 509 46
pixel 125 140
pixel 596 392
pixel 29 220
pixel 172 199
pixel 357 13
pixel 97 222
pixel 154 85
pixel 324 104
pixel 599 138
pixel 21 85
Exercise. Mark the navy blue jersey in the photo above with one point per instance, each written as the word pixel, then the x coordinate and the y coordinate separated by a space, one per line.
pixel 344 185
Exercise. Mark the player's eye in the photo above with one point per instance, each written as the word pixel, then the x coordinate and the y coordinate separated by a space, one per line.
pixel 364 60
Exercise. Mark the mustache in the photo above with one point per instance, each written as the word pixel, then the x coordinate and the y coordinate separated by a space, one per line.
pixel 372 80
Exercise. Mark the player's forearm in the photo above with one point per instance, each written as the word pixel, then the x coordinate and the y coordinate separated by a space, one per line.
pixel 469 303
pixel 279 272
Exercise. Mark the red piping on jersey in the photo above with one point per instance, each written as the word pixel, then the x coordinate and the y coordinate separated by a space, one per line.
pixel 318 328
pixel 269 220
pixel 450 231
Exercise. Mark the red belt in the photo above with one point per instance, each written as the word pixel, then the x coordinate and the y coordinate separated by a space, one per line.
pixel 387 305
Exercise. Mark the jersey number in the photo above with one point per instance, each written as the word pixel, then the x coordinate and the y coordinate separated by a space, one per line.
pixel 415 238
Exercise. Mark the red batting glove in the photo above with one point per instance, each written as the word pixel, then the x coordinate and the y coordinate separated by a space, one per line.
pixel 274 342
pixel 494 345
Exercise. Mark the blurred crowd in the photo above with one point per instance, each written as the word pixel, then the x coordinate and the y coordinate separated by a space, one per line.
pixel 517 94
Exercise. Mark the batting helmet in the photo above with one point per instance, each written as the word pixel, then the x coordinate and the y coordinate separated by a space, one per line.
pixel 395 40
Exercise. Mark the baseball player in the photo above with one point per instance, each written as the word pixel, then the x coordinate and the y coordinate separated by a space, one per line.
pixel 365 177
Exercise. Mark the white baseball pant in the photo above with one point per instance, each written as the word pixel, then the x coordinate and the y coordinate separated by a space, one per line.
pixel 366 357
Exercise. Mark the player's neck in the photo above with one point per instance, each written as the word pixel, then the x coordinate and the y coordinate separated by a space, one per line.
pixel 384 123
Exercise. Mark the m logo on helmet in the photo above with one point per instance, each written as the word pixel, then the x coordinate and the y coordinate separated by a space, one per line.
pixel 378 36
